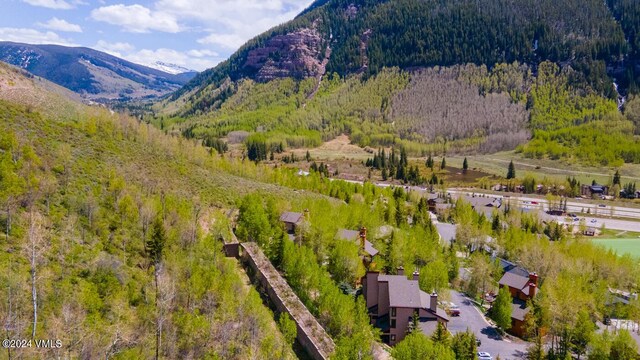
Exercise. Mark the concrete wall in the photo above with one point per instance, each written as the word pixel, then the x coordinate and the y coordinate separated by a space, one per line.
pixel 313 338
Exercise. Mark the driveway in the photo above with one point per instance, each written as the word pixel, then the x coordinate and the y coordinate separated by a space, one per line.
pixel 470 317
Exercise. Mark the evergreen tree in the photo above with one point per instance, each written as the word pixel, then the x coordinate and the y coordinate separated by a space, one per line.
pixel 443 164
pixel 465 165
pixel 156 242
pixel 464 345
pixel 616 178
pixel 441 335
pixel 511 172
pixel 429 162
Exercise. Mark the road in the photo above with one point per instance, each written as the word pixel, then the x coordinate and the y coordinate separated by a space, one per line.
pixel 575 206
pixel 491 341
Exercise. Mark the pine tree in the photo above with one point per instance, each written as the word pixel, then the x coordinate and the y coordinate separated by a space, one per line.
pixel 465 165
pixel 443 164
pixel 429 162
pixel 616 178
pixel 511 172
pixel 155 244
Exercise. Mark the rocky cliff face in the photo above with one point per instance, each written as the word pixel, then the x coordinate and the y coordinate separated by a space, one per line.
pixel 297 54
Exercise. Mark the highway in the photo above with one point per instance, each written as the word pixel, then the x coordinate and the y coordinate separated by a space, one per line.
pixel 625 218
pixel 573 206
pixel 599 215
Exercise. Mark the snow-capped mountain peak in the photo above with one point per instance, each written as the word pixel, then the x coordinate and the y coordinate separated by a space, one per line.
pixel 169 68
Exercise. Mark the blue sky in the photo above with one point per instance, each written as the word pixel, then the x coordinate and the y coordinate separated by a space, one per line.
pixel 196 34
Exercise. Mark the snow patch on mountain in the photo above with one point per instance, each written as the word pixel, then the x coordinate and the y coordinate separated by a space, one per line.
pixel 169 68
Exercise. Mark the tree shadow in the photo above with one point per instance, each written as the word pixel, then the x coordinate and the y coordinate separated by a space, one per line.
pixel 491 333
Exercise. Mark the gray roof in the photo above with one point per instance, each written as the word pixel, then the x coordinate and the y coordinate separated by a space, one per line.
pixel 428 327
pixel 519 309
pixel 506 265
pixel 425 298
pixel 348 234
pixel 403 292
pixel 291 217
pixel 353 235
pixel 515 278
pixel 477 201
pixel 446 231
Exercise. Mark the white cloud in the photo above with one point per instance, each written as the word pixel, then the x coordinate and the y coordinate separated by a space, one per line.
pixel 193 59
pixel 233 22
pixel 60 25
pixel 32 36
pixel 136 18
pixel 231 41
pixel 202 53
pixel 51 4
pixel 115 49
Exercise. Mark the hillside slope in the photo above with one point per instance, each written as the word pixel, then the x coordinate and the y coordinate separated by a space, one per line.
pixel 367 35
pixel 110 235
pixel 93 74
pixel 431 76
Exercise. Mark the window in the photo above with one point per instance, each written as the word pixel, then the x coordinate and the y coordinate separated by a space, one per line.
pixel 393 312
pixel 393 323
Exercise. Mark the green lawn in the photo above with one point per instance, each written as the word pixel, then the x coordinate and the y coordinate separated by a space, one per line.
pixel 621 246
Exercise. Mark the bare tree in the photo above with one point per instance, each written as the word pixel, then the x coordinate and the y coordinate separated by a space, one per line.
pixel 34 249
pixel 165 293
pixel 442 105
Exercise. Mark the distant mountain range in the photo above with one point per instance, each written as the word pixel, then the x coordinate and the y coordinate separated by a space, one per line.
pixel 93 74
pixel 171 68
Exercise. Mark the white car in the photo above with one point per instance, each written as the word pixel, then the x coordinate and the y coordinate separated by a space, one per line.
pixel 484 356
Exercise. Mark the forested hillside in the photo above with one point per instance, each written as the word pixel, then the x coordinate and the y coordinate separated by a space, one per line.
pixel 430 76
pixel 111 238
pixel 367 35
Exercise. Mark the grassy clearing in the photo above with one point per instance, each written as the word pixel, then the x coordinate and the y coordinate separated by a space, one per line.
pixel 620 245
pixel 497 164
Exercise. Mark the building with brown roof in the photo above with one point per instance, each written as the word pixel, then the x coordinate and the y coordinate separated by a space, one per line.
pixel 523 287
pixel 394 300
pixel 291 221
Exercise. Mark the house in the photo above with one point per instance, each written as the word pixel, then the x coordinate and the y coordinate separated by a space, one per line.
pixel 292 220
pixel 483 205
pixel 393 302
pixel 523 286
pixel 594 190
pixel 366 248
pixel 439 206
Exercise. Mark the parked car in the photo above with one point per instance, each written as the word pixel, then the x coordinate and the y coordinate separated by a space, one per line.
pixel 454 310
pixel 484 356
pixel 602 205
pixel 593 221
